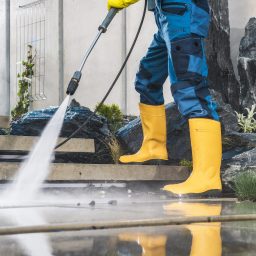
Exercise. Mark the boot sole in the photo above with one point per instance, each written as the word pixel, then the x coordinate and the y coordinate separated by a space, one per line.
pixel 208 194
pixel 149 162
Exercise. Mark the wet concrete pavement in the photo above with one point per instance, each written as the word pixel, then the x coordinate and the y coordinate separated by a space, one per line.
pixel 74 205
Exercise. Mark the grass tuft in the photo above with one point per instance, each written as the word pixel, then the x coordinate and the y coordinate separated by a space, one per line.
pixel 186 163
pixel 115 149
pixel 245 186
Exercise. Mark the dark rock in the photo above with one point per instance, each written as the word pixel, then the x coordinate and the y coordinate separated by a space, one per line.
pixel 247 65
pixel 221 72
pixel 243 140
pixel 112 202
pixel 239 155
pixel 237 165
pixel 248 44
pixel 33 123
pixel 227 114
pixel 92 203
pixel 2 132
pixel 178 141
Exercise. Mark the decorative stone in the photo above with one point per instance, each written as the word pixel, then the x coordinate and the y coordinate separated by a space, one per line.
pixel 2 132
pixel 237 165
pixel 221 72
pixel 247 65
pixel 32 123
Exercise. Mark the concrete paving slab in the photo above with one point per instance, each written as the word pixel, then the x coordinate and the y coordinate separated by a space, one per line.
pixel 25 143
pixel 103 172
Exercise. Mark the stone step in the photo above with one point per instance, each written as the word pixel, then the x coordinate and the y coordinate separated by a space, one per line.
pixel 25 143
pixel 103 172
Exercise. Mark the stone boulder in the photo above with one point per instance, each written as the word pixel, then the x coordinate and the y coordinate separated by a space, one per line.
pixel 33 123
pixel 248 44
pixel 239 156
pixel 237 165
pixel 2 132
pixel 247 65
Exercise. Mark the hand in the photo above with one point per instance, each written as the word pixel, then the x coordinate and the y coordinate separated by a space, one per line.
pixel 120 4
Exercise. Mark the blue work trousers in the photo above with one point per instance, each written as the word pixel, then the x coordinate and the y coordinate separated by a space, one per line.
pixel 177 50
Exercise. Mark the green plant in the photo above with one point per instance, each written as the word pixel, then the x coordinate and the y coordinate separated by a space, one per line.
pixel 24 85
pixel 245 186
pixel 186 163
pixel 113 114
pixel 247 123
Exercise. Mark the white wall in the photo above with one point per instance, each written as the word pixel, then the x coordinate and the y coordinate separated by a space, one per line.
pixel 4 61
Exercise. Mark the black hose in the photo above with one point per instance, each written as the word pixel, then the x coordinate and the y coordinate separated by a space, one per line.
pixel 112 85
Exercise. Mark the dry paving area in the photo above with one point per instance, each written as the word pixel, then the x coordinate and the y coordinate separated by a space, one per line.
pixel 80 203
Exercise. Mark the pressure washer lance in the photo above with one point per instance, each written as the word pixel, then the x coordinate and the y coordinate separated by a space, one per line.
pixel 74 82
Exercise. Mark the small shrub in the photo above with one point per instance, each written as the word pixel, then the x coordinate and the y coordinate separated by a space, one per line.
pixel 247 123
pixel 113 114
pixel 24 85
pixel 245 186
pixel 115 149
pixel 186 163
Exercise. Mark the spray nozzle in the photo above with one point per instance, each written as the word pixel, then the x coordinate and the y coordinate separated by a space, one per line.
pixel 74 83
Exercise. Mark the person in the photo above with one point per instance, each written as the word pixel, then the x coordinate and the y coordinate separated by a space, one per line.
pixel 178 50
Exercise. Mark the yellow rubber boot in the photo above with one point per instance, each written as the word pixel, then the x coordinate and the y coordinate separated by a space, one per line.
pixel 206 237
pixel 153 119
pixel 151 245
pixel 205 135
